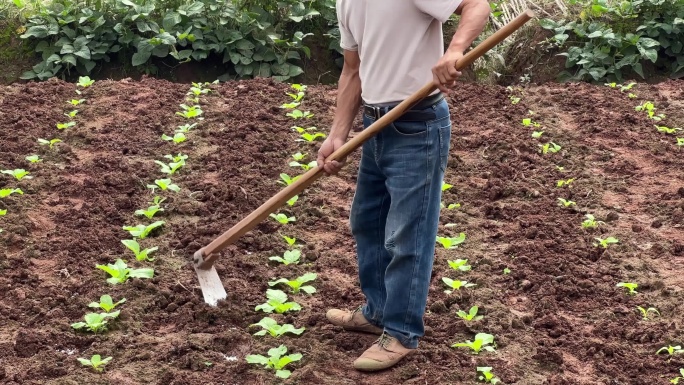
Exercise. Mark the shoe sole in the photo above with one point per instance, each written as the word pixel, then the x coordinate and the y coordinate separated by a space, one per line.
pixel 363 330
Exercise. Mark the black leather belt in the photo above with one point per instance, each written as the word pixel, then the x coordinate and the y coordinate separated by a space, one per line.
pixel 420 112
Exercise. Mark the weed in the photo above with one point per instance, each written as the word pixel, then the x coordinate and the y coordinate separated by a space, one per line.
pixel 675 380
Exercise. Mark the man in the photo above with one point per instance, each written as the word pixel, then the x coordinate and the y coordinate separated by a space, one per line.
pixel 391 49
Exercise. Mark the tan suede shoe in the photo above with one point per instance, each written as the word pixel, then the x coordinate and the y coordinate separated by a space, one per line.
pixel 352 320
pixel 386 352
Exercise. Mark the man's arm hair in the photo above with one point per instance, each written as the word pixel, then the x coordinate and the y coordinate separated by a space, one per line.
pixel 474 16
pixel 348 95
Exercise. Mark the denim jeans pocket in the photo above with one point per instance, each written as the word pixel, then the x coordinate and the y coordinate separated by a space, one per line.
pixel 443 125
pixel 407 128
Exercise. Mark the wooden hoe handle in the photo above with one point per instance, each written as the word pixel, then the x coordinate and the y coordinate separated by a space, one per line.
pixel 209 253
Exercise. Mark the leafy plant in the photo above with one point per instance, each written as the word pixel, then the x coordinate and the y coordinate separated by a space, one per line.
pixel 120 272
pixel 451 242
pixel 176 163
pixel 549 147
pixel 566 182
pixel 630 286
pixel 667 130
pixel 140 255
pixel 61 126
pixel 305 167
pixel 308 137
pixel 4 193
pixel 297 284
pixel 292 201
pixel 149 212
pixel 3 212
pixel 604 243
pixel 85 81
pixel 270 326
pixel 190 112
pixel 76 102
pixel 627 87
pixel 33 158
pixel 471 314
pixel 297 114
pixel 282 218
pixel 290 241
pixel 287 180
pixel 671 350
pixel 487 376
pixel 106 303
pixel 590 222
pixel 186 128
pixel 277 302
pixel 177 138
pixel 18 173
pixel 164 184
pixel 451 206
pixel 675 380
pixel 506 271
pixel 537 134
pixel 71 114
pixel 276 360
pixel 566 203
pixel 290 106
pixel 142 231
pixel 95 322
pixel 459 264
pixel 456 285
pixel 298 156
pixel 289 257
pixel 51 142
pixel 482 342
pixel 301 130
pixel 644 312
pixel 514 99
pixel 650 109
pixel 529 122
pixel 446 186
pixel 96 362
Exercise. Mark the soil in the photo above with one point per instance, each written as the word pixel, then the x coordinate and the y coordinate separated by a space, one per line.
pixel 557 316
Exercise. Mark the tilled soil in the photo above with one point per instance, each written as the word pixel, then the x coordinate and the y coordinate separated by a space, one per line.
pixel 556 313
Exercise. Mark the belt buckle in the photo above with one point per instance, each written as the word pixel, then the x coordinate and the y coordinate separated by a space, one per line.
pixel 376 112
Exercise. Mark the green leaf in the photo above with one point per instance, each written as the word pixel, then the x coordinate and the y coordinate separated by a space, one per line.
pixel 256 359
pixel 140 58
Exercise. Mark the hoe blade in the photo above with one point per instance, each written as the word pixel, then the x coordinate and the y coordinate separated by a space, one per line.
pixel 212 288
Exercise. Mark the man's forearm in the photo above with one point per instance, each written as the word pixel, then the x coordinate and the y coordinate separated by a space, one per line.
pixel 474 16
pixel 348 103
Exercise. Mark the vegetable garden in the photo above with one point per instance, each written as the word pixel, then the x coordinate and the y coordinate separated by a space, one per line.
pixel 560 254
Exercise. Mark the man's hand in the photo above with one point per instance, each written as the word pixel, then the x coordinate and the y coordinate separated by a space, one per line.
pixel 444 73
pixel 327 148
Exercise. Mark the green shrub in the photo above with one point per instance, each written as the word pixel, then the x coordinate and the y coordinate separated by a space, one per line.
pixel 610 38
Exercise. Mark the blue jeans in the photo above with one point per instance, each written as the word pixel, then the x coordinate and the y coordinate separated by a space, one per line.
pixel 394 220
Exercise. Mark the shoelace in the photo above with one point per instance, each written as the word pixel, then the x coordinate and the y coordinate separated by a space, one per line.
pixel 384 340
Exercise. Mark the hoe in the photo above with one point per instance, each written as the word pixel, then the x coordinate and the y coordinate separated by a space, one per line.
pixel 203 260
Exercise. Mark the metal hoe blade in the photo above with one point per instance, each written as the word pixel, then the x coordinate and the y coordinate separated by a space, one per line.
pixel 212 287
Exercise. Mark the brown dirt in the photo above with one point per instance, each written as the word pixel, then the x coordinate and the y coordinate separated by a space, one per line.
pixel 558 317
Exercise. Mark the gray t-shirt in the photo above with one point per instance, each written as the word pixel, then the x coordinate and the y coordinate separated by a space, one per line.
pixel 399 41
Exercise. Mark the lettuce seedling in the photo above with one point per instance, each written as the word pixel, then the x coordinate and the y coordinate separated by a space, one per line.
pixel 289 257
pixel 142 231
pixel 537 134
pixel 186 128
pixel 604 243
pixel 644 312
pixel 487 376
pixel 450 243
pixel 96 362
pixel 290 241
pixel 292 201
pixel 680 377
pixel 61 126
pixel 680 142
pixel 667 130
pixel 4 193
pixel 33 158
pixel 164 184
pixel 459 264
pixel 451 206
pixel 631 96
pixel 590 222
pixel 514 99
pixel 3 213
pixel 481 342
pixel 76 102
pixel 190 112
pixel 287 180
pixel 650 109
pixel 71 114
pixel 18 173
pixel 296 97
pixel 567 182
pixel 297 114
pixel 446 186
pixel 271 327
pixel 197 91
pixel 120 272
pixel 95 322
pixel 170 168
pixel 277 302
pixel 611 85
pixel 566 203
pixel 296 284
pixel 627 87
pixel 299 87
pixel 307 137
pixel 290 106
pixel 282 218
pixel 456 285
pixel 50 142
pixel 140 255
pixel 506 271
pixel 276 360
pixel 671 350
pixel 106 303
pixel 149 212
pixel 549 147
pixel 298 156
pixel 305 167
pixel 471 315
pixel 630 286
pixel 85 81
pixel 177 138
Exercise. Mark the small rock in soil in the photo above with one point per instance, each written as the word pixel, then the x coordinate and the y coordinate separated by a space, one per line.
pixel 526 284
pixel 637 228
pixel 657 224
pixel 612 216
pixel 438 307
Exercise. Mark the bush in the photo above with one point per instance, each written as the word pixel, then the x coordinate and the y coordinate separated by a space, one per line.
pixel 608 41
pixel 255 38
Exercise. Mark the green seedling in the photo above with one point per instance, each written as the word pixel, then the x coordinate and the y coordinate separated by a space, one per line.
pixel 170 168
pixel 120 272
pixel 456 285
pixel 296 97
pixel 680 142
pixel 95 322
pixel 282 218
pixel 290 257
pixel 631 96
pixel 471 315
pixel 3 213
pixel 164 184
pixel 506 271
pixel 33 158
pixel 451 206
pixel 650 109
pixel 197 91
pixel 142 231
pixel 71 114
pixel 644 312
pixel 298 157
pixel 446 186
pixel 270 326
pixel 290 241
pixel 487 376
pixel 149 212
pixel 590 222
pixel 177 138
pixel 140 255
pixel 482 342
pixel 290 106
pixel 292 200
pixel 671 350
pixel 76 102
pixel 308 137
pixel 277 302
pixel 514 99
pixel 528 122
pixel 276 360
pixel 560 169
pixel 50 142
pixel 106 303
pixel 627 87
pixel 305 167
pixel 604 243
pixel 18 173
pixel 296 285
pixel 186 128
pixel 302 129
pixel 566 203
pixel 299 87
pixel 96 362
pixel 459 264
pixel 4 193
pixel 450 243
pixel 61 126
pixel 85 81
pixel 667 130
pixel 630 286
pixel 297 114
pixel 287 180
pixel 549 147
pixel 611 85
pixel 190 112
pixel 537 134
pixel 675 380
pixel 567 182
